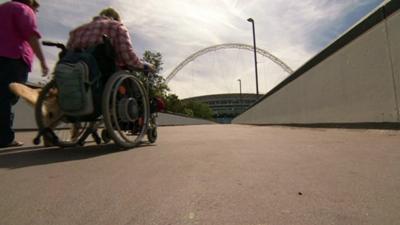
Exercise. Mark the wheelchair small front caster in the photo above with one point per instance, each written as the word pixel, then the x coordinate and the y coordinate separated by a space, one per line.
pixel 96 138
pixel 81 142
pixel 104 135
pixel 36 140
pixel 152 134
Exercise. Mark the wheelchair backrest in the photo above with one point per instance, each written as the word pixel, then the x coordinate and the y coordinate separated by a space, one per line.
pixel 105 57
pixel 103 54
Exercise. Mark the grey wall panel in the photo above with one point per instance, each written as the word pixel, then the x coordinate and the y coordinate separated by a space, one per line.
pixel 354 84
pixel 24 116
pixel 167 119
pixel 393 30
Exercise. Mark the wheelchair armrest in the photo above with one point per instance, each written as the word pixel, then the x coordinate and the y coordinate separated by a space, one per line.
pixel 132 69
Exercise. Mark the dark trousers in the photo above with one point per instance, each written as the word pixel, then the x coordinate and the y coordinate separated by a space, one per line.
pixel 11 70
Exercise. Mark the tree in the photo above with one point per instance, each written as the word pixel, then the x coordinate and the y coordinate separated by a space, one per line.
pixel 158 87
pixel 198 109
pixel 173 104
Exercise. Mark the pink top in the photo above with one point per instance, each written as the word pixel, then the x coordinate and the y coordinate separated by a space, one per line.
pixel 18 24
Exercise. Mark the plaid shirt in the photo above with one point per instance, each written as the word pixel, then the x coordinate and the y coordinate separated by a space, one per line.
pixel 91 34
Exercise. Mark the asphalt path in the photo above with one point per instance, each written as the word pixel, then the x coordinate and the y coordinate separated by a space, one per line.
pixel 208 174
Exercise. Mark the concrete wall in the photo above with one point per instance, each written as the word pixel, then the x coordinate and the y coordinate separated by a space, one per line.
pixel 24 116
pixel 354 80
pixel 167 119
pixel 393 30
pixel 25 119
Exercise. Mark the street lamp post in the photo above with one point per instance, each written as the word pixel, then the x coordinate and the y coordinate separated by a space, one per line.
pixel 255 51
pixel 240 96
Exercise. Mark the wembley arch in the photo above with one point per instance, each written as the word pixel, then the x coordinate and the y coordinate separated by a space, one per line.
pixel 263 52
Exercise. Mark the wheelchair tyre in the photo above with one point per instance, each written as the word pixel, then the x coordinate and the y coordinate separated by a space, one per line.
pixel 126 109
pixel 48 116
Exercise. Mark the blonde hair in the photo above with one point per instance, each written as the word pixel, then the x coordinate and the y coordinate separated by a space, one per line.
pixel 35 4
pixel 111 13
pixel 26 2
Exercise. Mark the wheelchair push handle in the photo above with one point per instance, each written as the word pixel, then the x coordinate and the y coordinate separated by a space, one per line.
pixel 54 44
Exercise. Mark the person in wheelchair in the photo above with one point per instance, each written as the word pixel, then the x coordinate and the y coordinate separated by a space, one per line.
pixel 108 23
pixel 108 40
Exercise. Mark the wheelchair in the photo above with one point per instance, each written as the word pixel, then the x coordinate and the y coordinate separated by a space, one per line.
pixel 122 108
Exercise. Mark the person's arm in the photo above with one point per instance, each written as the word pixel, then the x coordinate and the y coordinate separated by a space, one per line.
pixel 124 50
pixel 37 49
pixel 26 24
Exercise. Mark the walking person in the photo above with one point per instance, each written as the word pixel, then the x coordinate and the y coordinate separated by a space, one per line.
pixel 19 43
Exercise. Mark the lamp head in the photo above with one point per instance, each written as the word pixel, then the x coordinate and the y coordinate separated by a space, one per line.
pixel 250 20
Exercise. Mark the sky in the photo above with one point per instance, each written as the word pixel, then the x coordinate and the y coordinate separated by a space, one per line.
pixel 293 31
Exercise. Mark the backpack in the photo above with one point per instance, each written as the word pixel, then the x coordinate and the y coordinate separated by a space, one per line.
pixel 72 76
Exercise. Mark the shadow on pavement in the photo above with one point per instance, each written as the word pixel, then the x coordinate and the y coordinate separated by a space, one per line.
pixel 14 158
pixel 14 149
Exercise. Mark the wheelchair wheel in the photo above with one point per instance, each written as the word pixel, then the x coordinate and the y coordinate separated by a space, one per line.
pixel 126 109
pixel 55 127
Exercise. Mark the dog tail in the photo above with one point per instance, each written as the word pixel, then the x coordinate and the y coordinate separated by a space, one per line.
pixel 30 95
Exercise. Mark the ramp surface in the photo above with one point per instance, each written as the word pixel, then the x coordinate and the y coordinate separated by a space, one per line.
pixel 209 174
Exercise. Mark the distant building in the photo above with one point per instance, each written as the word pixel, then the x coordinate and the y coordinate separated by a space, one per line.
pixel 225 107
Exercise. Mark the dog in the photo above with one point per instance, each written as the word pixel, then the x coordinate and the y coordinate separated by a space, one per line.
pixel 51 111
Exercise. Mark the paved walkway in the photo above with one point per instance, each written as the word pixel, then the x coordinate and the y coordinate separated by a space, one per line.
pixel 209 174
